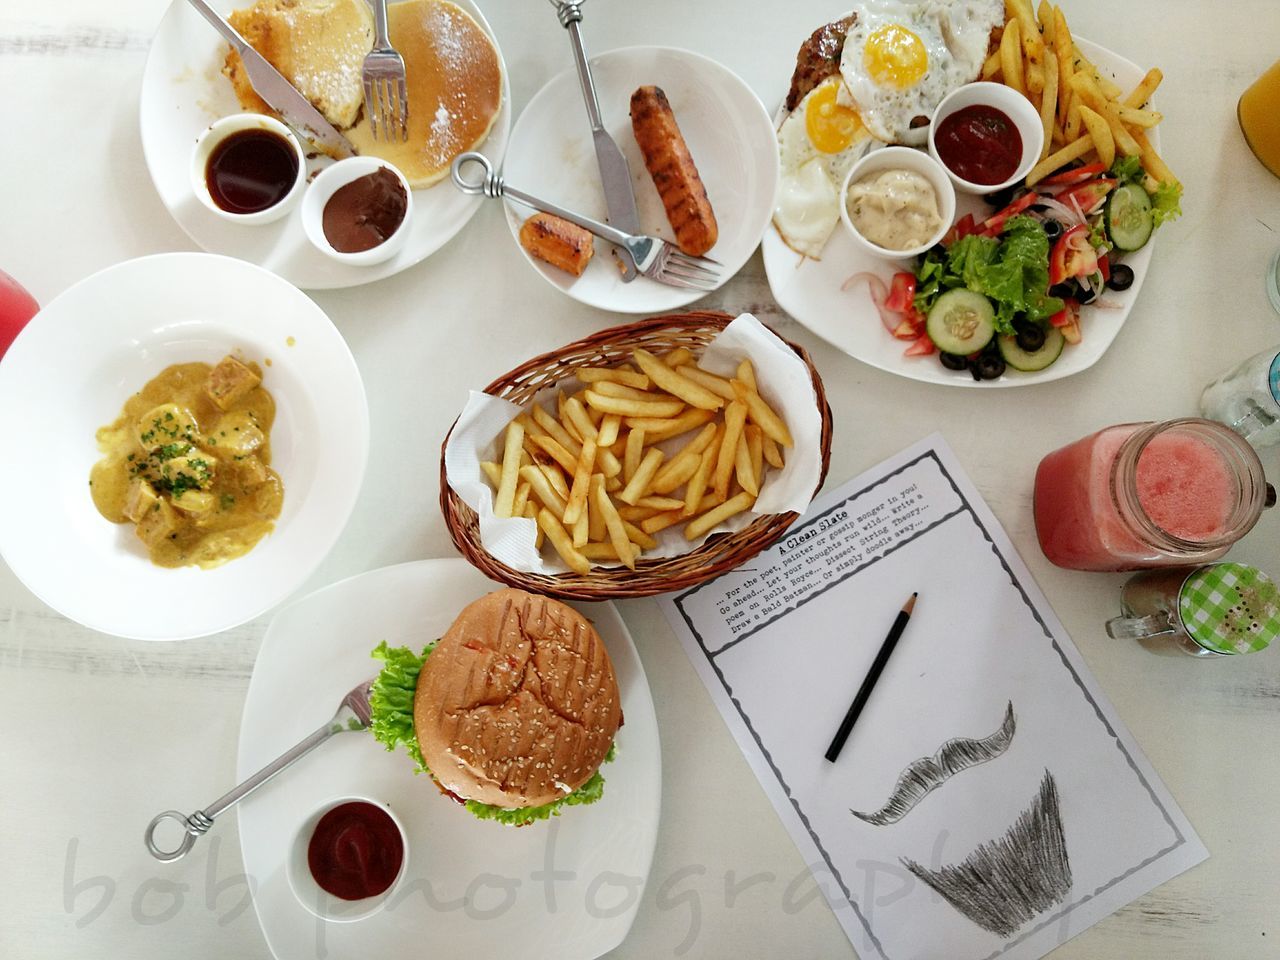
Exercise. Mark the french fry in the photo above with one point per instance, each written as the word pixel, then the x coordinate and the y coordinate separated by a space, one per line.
pixel 1151 161
pixel 1093 97
pixel 742 466
pixel 556 478
pixel 610 389
pixel 1106 85
pixel 542 490
pixel 1103 141
pixel 613 524
pixel 505 497
pixel 558 453
pixel 1138 118
pixel 492 472
pixel 669 380
pixel 521 499
pixel 1072 151
pixel 755 450
pixel 638 485
pixel 531 426
pixel 761 413
pixel 747 374
pixel 677 357
pixel 531 513
pixel 1021 9
pixel 1044 14
pixel 621 375
pixel 991 67
pixel 664 428
pixel 608 434
pixel 581 529
pixel 735 417
pixel 1140 94
pixel 564 545
pixel 1071 132
pixel 596 528
pixel 660 503
pixel 635 450
pixel 1049 103
pixel 634 408
pixel 683 464
pixel 581 484
pixel 660 521
pixel 772 455
pixel 577 415
pixel 638 536
pixel 697 485
pixel 564 418
pixel 717 515
pixel 555 431
pixel 1062 47
pixel 637 513
pixel 598 551
pixel 1033 75
pixel 610 465
pixel 717 385
pixel 1011 57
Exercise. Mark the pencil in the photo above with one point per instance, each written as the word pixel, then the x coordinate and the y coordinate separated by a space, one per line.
pixel 877 667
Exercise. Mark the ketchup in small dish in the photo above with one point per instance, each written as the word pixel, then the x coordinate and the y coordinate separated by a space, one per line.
pixel 251 170
pixel 355 851
pixel 979 144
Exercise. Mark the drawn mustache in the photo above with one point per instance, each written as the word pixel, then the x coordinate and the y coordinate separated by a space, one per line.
pixel 923 776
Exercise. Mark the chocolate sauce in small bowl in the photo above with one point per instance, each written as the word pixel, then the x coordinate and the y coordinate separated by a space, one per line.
pixel 357 211
pixel 347 859
pixel 248 168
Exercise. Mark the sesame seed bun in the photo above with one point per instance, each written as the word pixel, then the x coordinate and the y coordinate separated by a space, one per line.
pixel 518 704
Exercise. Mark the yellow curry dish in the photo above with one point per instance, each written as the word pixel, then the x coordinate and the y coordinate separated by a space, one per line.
pixel 188 463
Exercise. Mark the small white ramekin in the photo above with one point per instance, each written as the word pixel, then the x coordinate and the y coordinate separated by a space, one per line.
pixel 315 898
pixel 326 184
pixel 901 158
pixel 1009 102
pixel 218 131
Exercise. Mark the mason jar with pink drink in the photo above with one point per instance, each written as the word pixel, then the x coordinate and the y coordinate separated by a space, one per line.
pixel 1140 495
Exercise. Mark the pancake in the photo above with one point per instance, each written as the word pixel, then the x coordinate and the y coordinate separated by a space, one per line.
pixel 455 89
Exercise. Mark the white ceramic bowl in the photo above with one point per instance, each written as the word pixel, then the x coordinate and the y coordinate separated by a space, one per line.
pixel 1013 105
pixel 326 184
pixel 901 158
pixel 315 898
pixel 218 131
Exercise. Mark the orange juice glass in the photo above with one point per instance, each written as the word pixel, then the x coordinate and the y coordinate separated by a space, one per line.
pixel 1259 114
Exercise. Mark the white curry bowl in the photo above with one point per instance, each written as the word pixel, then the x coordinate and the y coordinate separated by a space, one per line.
pixel 1009 102
pixel 901 158
pixel 70 372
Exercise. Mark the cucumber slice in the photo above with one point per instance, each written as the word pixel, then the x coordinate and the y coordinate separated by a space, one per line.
pixel 1021 359
pixel 961 321
pixel 1129 218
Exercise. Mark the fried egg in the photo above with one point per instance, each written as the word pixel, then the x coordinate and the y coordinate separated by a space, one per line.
pixel 901 57
pixel 817 144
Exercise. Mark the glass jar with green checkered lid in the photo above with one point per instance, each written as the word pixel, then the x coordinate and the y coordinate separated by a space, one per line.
pixel 1220 609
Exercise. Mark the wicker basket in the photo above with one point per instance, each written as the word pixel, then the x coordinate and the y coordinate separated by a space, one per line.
pixel 719 554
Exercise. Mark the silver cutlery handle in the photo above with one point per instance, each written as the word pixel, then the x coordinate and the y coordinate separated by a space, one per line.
pixel 570 14
pixel 381 37
pixel 198 823
pixel 228 32
pixel 492 185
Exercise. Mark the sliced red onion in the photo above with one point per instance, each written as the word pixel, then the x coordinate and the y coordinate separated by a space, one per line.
pixel 879 294
pixel 1065 213
pixel 1107 304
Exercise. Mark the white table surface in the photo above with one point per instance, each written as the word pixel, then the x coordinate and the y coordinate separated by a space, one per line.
pixel 101 733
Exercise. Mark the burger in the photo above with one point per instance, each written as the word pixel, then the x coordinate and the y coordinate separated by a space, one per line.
pixel 511 712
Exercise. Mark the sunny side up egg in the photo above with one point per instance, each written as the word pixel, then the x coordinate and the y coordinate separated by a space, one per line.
pixel 901 58
pixel 817 144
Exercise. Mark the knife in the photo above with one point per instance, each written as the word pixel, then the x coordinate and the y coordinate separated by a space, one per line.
pixel 278 92
pixel 615 175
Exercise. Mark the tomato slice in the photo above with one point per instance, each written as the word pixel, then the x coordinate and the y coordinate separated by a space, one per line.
pixel 995 223
pixel 921 348
pixel 961 228
pixel 1072 256
pixel 1066 178
pixel 1067 315
pixel 1088 196
pixel 1104 267
pixel 902 292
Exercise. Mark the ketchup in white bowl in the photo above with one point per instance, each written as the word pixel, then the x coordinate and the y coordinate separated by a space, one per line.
pixel 979 143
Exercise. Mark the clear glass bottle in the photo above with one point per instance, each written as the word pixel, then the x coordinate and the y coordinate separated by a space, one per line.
pixel 1139 495
pixel 1247 398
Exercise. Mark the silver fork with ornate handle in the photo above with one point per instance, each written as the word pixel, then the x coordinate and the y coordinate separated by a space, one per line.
pixel 352 714
pixel 386 97
pixel 653 257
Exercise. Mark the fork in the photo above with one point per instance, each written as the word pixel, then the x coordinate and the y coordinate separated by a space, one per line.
pixel 352 714
pixel 386 97
pixel 653 257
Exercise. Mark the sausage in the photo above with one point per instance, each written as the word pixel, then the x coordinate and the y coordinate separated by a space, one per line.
pixel 558 242
pixel 674 173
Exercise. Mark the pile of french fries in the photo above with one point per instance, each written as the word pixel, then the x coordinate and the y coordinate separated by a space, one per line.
pixel 1083 111
pixel 596 482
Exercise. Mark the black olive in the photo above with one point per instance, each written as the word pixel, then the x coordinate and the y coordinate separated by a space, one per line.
pixel 953 361
pixel 989 366
pixel 1001 198
pixel 1030 337
pixel 1121 277
pixel 1052 229
pixel 1063 290
pixel 1085 293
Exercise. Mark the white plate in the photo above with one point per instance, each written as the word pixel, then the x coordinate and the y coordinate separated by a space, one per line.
pixel 183 91
pixel 70 372
pixel 473 888
pixel 729 134
pixel 809 290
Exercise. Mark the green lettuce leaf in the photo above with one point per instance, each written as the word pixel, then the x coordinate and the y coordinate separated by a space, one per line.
pixel 1166 202
pixel 1127 168
pixel 391 705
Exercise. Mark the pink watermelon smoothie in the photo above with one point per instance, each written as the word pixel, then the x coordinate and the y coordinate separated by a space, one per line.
pixel 1183 485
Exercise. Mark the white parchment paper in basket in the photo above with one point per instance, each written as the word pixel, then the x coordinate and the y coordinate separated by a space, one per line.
pixel 784 382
